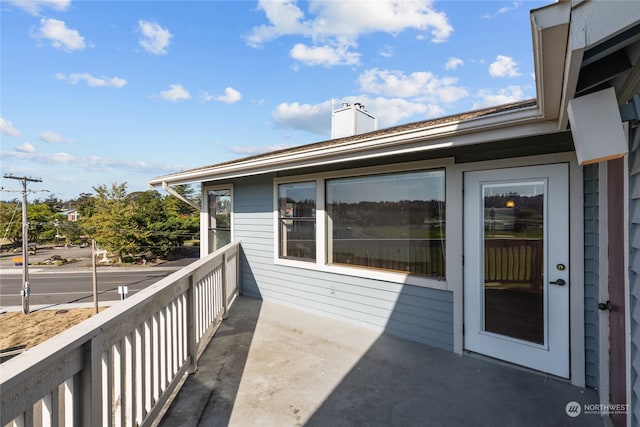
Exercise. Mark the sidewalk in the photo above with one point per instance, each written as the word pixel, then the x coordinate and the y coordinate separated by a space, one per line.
pixel 32 308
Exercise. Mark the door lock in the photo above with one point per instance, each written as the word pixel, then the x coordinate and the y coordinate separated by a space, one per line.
pixel 558 282
pixel 605 306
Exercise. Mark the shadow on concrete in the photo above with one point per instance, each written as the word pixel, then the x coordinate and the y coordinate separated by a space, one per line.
pixel 208 396
pixel 400 382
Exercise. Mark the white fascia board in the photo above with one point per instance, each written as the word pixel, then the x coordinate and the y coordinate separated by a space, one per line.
pixel 593 22
pixel 550 34
pixel 513 124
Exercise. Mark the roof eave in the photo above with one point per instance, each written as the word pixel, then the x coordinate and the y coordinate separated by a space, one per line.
pixel 510 124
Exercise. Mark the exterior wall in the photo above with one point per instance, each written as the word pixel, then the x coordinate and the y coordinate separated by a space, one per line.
pixel 417 313
pixel 591 275
pixel 634 271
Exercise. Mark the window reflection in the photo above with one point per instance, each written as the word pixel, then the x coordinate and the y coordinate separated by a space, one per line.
pixel 219 218
pixel 297 220
pixel 514 260
pixel 393 221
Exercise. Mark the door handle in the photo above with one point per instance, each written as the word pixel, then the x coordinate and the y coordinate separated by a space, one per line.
pixel 558 282
pixel 605 306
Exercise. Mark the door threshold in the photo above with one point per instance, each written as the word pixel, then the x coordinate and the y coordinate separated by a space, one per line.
pixel 511 365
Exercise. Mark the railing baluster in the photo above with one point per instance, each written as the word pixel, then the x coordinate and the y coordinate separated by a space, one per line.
pixel 223 286
pixel 174 339
pixel 138 377
pixel 68 390
pixel 148 366
pixel 192 346
pixel 47 410
pixel 116 364
pixel 155 374
pixel 129 379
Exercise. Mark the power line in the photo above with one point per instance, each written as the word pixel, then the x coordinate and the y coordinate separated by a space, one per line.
pixel 26 289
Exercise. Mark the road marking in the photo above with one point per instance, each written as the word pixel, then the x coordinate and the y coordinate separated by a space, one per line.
pixel 31 270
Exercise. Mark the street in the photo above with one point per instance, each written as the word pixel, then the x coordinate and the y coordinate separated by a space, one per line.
pixel 73 283
pixel 65 287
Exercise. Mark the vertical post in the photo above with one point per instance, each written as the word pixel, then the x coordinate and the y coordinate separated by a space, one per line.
pixel 95 275
pixel 26 289
pixel 225 302
pixel 192 341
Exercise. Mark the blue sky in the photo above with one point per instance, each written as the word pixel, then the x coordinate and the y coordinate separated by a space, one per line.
pixel 102 92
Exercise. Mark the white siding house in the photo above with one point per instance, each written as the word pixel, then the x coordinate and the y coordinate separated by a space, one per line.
pixel 512 232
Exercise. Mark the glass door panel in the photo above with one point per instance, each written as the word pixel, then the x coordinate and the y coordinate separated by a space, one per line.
pixel 514 259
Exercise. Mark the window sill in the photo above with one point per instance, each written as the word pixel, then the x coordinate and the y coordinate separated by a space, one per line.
pixel 373 274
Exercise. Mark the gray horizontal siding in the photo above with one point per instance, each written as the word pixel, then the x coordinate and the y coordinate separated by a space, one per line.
pixel 634 270
pixel 591 275
pixel 420 314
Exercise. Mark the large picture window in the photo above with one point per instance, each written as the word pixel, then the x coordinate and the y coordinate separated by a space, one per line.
pixel 297 220
pixel 394 222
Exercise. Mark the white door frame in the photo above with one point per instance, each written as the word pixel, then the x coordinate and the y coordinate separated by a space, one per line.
pixel 576 249
pixel 552 354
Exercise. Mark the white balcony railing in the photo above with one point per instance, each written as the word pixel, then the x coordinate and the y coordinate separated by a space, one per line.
pixel 120 367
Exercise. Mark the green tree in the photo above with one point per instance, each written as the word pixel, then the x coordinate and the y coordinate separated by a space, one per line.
pixel 112 221
pixel 11 220
pixel 42 219
pixel 165 221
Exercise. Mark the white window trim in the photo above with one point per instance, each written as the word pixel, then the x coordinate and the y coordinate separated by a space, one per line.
pixel 204 215
pixel 321 224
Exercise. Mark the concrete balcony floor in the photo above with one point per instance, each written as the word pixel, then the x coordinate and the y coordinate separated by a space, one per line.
pixel 271 365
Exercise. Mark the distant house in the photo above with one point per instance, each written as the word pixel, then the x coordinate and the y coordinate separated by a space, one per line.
pixel 71 215
pixel 512 232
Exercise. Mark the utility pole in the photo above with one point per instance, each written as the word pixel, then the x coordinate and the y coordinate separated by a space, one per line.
pixel 26 290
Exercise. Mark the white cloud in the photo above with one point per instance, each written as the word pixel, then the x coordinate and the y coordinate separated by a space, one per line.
pixel 52 137
pixel 6 128
pixel 386 51
pixel 308 117
pixel 92 81
pixel 502 96
pixel 254 149
pixel 392 111
pixel 335 26
pixel 504 9
pixel 91 163
pixel 155 39
pixel 59 35
pixel 423 85
pixel 176 92
pixel 231 96
pixel 205 96
pixel 26 148
pixel 317 118
pixel 504 66
pixel 453 63
pixel 324 55
pixel 35 6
